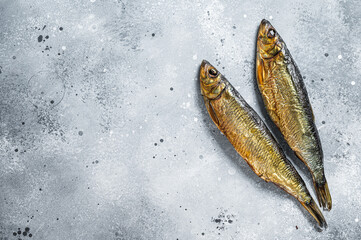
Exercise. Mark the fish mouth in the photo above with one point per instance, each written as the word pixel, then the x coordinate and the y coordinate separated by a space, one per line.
pixel 264 26
pixel 204 68
pixel 205 63
pixel 264 21
pixel 264 43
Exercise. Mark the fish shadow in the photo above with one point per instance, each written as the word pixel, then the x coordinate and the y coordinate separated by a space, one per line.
pixel 236 160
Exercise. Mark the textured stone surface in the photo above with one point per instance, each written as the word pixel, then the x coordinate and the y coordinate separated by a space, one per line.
pixel 104 134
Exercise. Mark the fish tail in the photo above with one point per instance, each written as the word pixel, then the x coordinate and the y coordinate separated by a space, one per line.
pixel 313 209
pixel 323 195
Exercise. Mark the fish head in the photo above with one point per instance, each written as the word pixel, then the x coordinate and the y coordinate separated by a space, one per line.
pixel 269 42
pixel 211 80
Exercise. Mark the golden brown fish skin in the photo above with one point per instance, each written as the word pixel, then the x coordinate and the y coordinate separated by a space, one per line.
pixel 251 138
pixel 286 100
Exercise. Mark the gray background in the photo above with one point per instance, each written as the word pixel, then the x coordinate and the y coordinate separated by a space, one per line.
pixel 104 134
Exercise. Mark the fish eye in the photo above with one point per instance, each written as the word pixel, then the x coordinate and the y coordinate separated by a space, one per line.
pixel 271 33
pixel 212 72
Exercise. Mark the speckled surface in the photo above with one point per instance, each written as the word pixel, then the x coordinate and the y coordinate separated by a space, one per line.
pixel 104 134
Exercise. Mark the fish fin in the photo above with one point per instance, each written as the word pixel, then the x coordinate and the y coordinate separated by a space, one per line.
pixel 323 195
pixel 259 174
pixel 322 192
pixel 273 114
pixel 313 209
pixel 212 113
pixel 300 157
pixel 260 71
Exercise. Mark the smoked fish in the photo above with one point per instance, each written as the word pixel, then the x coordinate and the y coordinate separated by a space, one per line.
pixel 285 98
pixel 251 138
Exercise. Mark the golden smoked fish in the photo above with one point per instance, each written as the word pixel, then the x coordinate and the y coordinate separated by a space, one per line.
pixel 286 100
pixel 251 138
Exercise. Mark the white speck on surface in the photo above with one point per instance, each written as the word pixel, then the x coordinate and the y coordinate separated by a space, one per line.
pixel 63 47
pixel 231 171
pixel 185 105
pixel 195 57
pixel 219 178
pixel 356 219
pixel 270 17
pixel 353 83
pixel 196 119
pixel 92 1
pixel 339 56
pixel 244 15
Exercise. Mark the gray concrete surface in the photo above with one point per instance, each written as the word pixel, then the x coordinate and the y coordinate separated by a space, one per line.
pixel 104 134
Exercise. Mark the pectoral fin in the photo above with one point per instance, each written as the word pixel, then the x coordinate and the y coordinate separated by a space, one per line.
pixel 260 71
pixel 212 113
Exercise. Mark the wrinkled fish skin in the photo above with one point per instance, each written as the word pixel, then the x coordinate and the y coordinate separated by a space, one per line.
pixel 251 138
pixel 286 100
